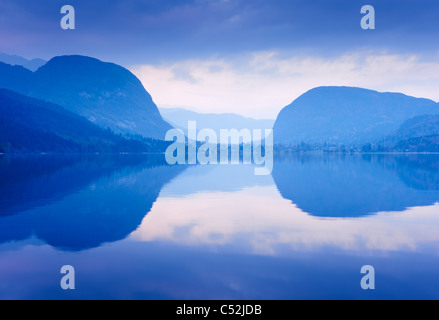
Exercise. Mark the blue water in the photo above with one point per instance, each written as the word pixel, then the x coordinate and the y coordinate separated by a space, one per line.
pixel 136 228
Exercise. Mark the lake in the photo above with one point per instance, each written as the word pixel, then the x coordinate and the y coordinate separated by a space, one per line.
pixel 135 228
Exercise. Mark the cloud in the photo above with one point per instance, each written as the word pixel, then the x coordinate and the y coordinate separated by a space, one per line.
pixel 136 31
pixel 260 84
pixel 183 74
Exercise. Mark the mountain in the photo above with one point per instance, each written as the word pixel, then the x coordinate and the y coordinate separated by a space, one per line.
pixel 105 93
pixel 30 125
pixel 345 115
pixel 179 117
pixel 420 126
pixel 15 78
pixel 418 144
pixel 418 134
pixel 32 65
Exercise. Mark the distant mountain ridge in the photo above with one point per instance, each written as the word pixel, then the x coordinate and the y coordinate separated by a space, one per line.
pixel 32 65
pixel 105 93
pixel 179 117
pixel 346 115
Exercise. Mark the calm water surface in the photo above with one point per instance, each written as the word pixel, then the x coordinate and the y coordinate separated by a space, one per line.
pixel 135 228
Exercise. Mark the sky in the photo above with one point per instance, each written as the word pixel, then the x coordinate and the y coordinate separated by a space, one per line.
pixel 251 57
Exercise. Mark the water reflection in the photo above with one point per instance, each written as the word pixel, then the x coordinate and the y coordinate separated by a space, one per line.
pixel 357 185
pixel 219 232
pixel 258 220
pixel 78 202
